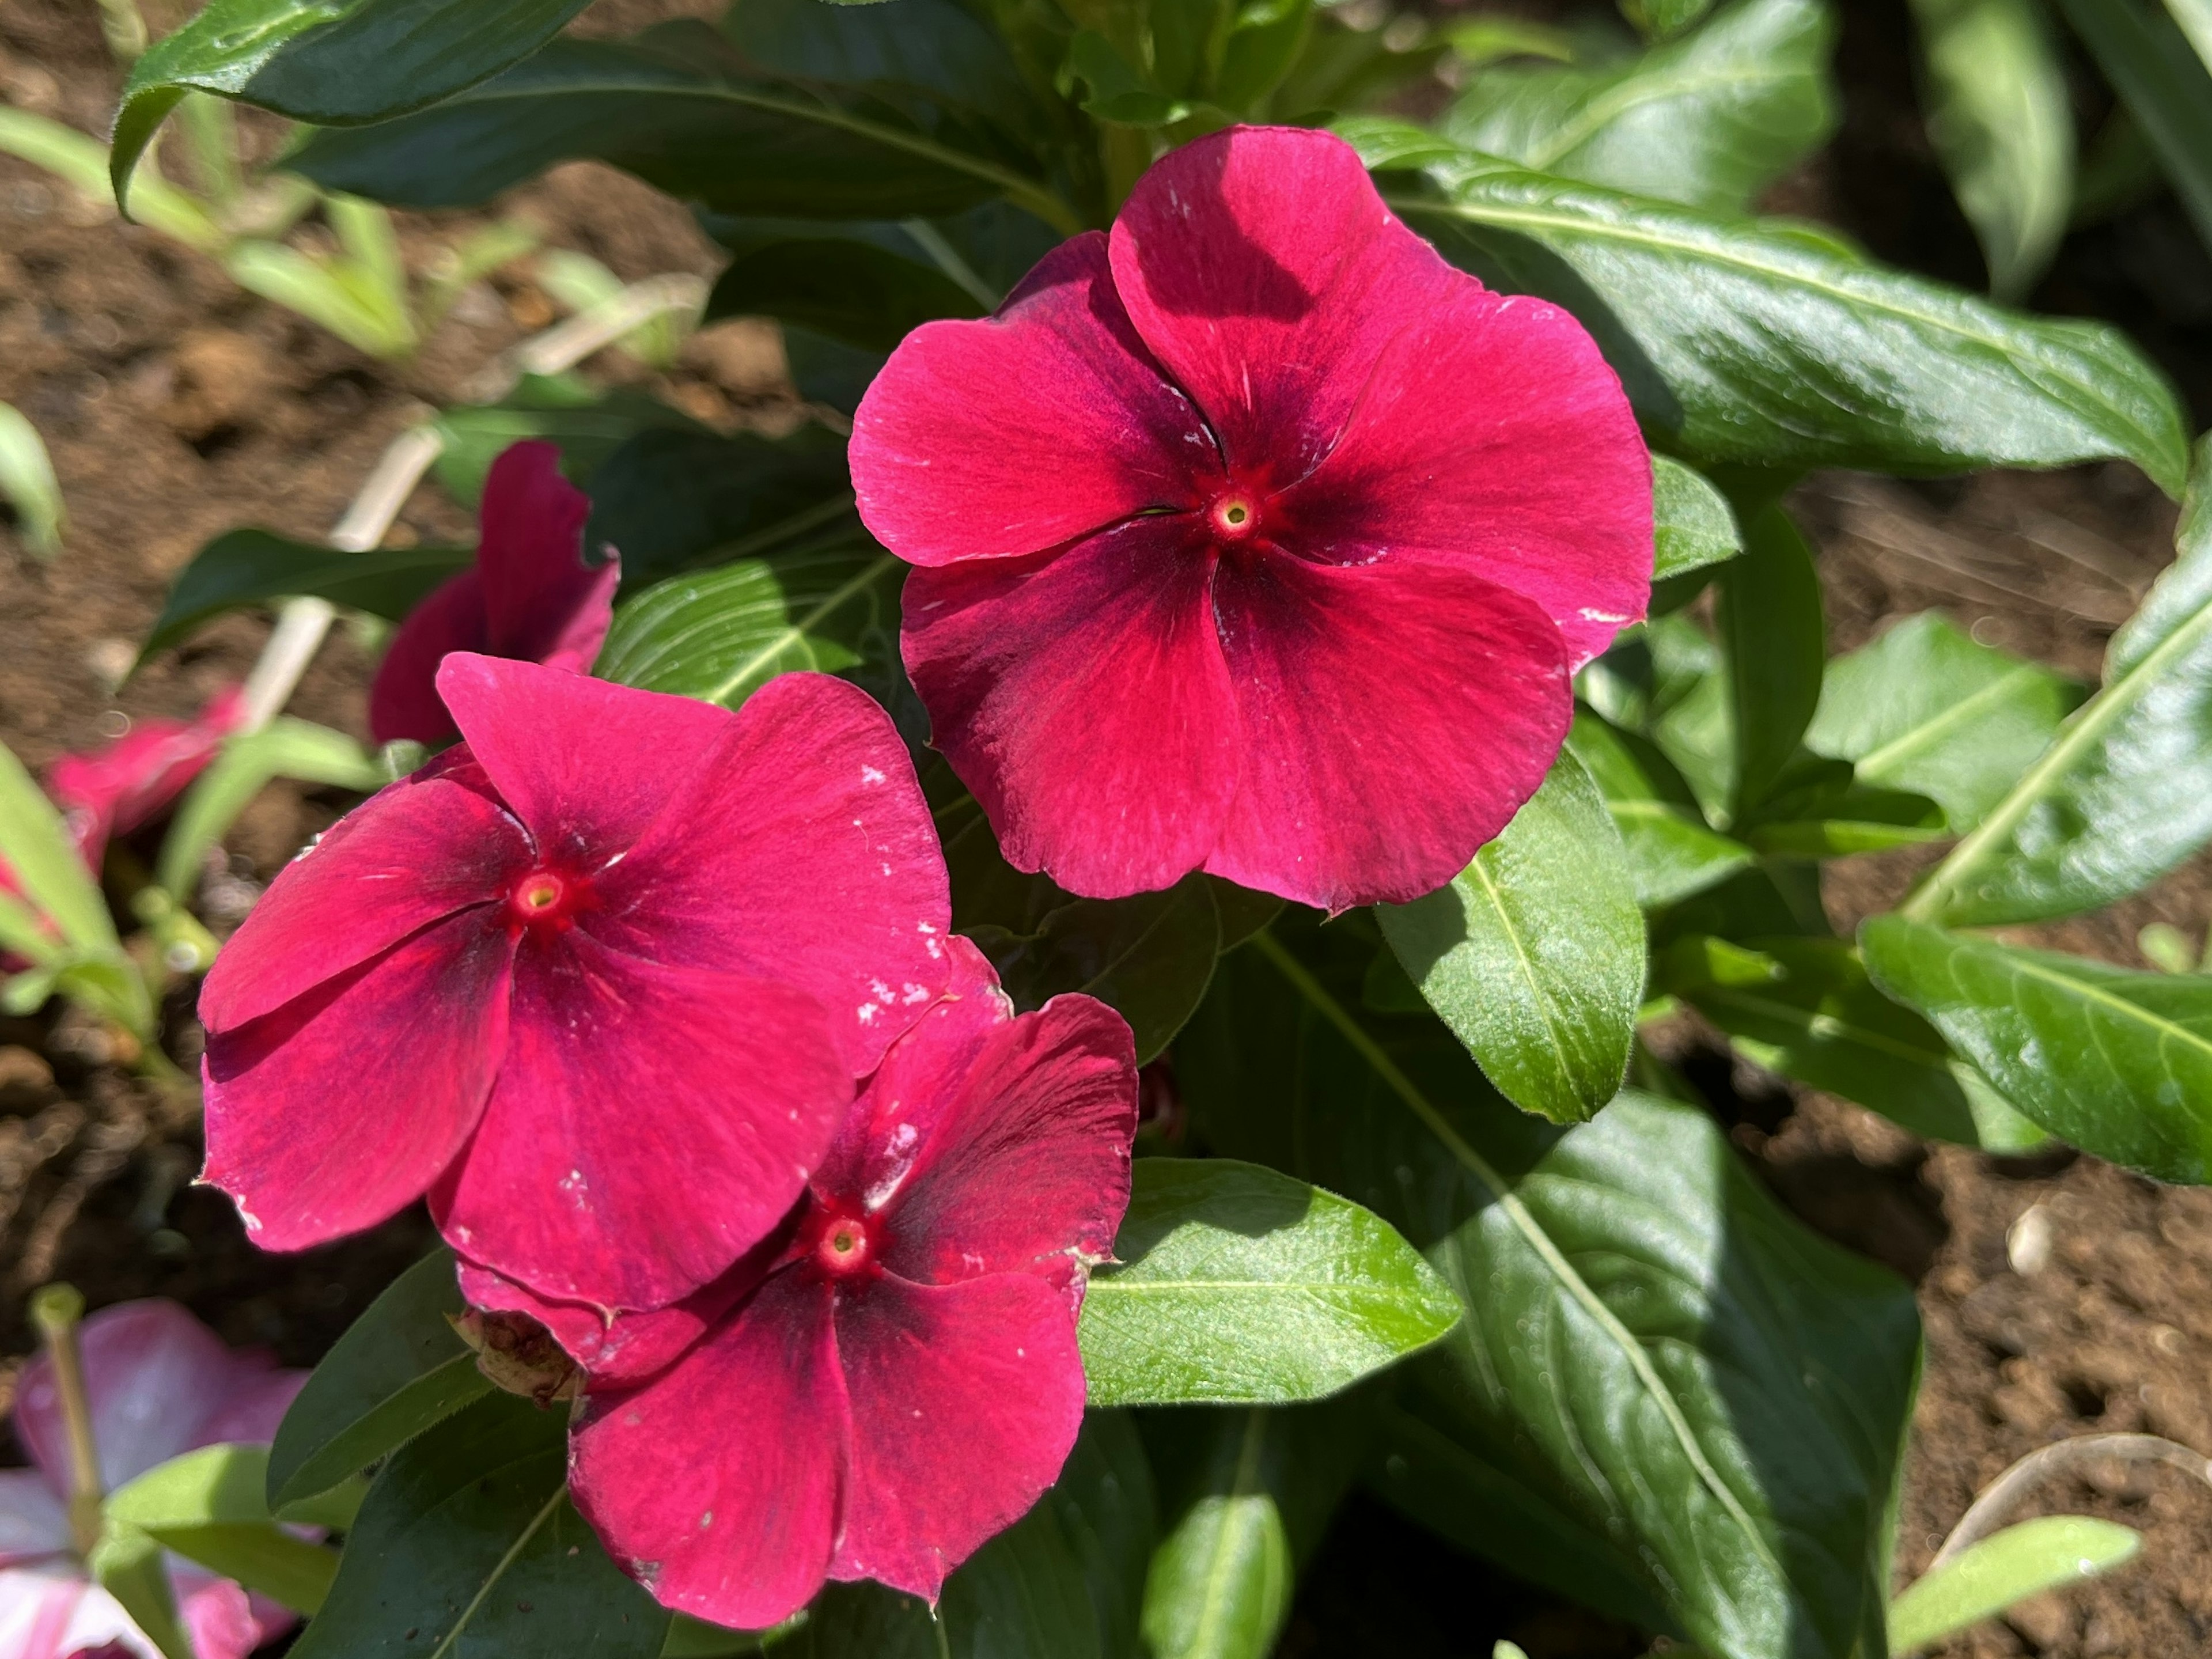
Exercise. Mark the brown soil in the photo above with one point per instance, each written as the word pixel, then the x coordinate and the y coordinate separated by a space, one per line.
pixel 175 407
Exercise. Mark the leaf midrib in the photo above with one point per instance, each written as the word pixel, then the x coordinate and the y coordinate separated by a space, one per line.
pixel 1235 1516
pixel 1546 1012
pixel 1916 740
pixel 791 633
pixel 514 1551
pixel 1633 92
pixel 2089 991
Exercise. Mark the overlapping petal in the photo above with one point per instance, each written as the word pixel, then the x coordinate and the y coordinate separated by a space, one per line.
pixel 404 704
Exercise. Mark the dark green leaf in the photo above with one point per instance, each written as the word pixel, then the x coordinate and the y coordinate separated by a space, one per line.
pixel 2005 1568
pixel 1692 525
pixel 1846 363
pixel 335 63
pixel 1707 120
pixel 1238 1285
pixel 671 500
pixel 399 1368
pixel 1926 708
pixel 936 49
pixel 1243 912
pixel 468 1547
pixel 1115 90
pixel 242 567
pixel 848 290
pixel 1534 954
pixel 1664 17
pixel 587 424
pixel 1667 1396
pixel 1671 851
pixel 2117 1063
pixel 2162 84
pixel 1776 644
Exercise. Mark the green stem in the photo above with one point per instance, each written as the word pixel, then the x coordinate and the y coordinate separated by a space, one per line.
pixel 55 1310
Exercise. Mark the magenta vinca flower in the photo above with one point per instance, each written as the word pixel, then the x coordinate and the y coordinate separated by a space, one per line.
pixel 1253 538
pixel 114 789
pixel 599 979
pixel 530 595
pixel 893 1377
pixel 159 1384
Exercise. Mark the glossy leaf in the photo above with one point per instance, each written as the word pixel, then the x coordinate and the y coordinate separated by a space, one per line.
pixel 2002 118
pixel 588 427
pixel 1927 709
pixel 1238 1285
pixel 1671 851
pixel 1667 1398
pixel 2162 84
pixel 468 1540
pixel 1243 912
pixel 1775 642
pixel 398 1369
pixel 1707 120
pixel 209 1506
pixel 675 499
pixel 1848 363
pixel 2003 1569
pixel 242 567
pixel 2117 1062
pixel 2124 792
pixel 1534 954
pixel 1692 525
pixel 35 845
pixel 848 290
pixel 896 50
pixel 285 748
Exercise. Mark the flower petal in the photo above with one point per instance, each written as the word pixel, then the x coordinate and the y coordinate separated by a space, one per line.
pixel 1084 700
pixel 1264 271
pixel 418 850
pixel 734 1527
pixel 651 1123
pixel 966 1399
pixel 1493 434
pixel 342 1107
pixel 1395 717
pixel 586 766
pixel 802 850
pixel 33 1525
pixel 44 1614
pixel 1079 427
pixel 544 603
pixel 120 786
pixel 404 704
pixel 220 1617
pixel 153 1375
pixel 1021 1161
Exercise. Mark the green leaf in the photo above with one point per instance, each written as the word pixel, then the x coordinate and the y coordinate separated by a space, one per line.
pixel 1692 525
pixel 1243 912
pixel 1667 1396
pixel 1114 90
pixel 1148 956
pixel 678 112
pixel 209 1505
pixel 2003 121
pixel 720 635
pixel 2162 84
pixel 133 1569
pixel 849 290
pixel 899 51
pixel 588 425
pixel 1707 120
pixel 399 1368
pixel 1774 641
pixel 29 485
pixel 285 748
pixel 1927 709
pixel 468 1540
pixel 2115 1062
pixel 1671 851
pixel 35 844
pixel 334 63
pixel 1818 1020
pixel 1664 17
pixel 242 567
pixel 1849 364
pixel 1534 954
pixel 2005 1568
pixel 1239 1286
pixel 2124 793
pixel 328 293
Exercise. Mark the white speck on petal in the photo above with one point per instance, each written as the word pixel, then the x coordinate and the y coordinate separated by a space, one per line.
pixel 870 774
pixel 867 1012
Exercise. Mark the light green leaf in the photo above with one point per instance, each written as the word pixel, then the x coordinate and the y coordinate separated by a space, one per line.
pixel 1664 17
pixel 1238 1285
pixel 82 162
pixel 286 748
pixel 1671 851
pixel 133 1569
pixel 29 485
pixel 207 1505
pixel 1534 954
pixel 2162 84
pixel 1692 525
pixel 35 844
pixel 2115 1062
pixel 1775 643
pixel 2005 1568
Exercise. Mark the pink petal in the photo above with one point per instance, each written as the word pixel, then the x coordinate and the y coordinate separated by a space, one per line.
pixel 42 1608
pixel 716 1485
pixel 260 1397
pixel 541 597
pixel 413 851
pixel 1264 272
pixel 334 1112
pixel 220 1619
pixel 1493 435
pixel 153 1375
pixel 403 699
pixel 651 1124
pixel 1394 718
pixel 1020 1160
pixel 119 788
pixel 965 1401
pixel 1011 434
pixel 585 765
pixel 802 850
pixel 1085 702
pixel 33 1525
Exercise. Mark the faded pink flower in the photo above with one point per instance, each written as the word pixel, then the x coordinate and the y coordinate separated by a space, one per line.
pixel 530 595
pixel 159 1384
pixel 112 790
pixel 599 980
pixel 1254 537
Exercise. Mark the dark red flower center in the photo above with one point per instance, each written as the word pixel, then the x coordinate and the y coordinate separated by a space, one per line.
pixel 545 898
pixel 841 1244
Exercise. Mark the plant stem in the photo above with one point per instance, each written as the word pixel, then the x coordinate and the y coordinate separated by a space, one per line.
pixel 55 1310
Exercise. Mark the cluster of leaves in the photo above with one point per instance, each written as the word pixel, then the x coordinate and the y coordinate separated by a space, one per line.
pixel 1641 1384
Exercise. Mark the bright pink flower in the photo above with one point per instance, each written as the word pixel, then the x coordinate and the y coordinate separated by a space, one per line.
pixel 1254 537
pixel 599 980
pixel 114 789
pixel 159 1384
pixel 530 595
pixel 897 1378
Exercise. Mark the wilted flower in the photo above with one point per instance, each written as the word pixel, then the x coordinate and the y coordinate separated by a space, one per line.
pixel 1254 537
pixel 530 595
pixel 894 1376
pixel 159 1384
pixel 112 790
pixel 598 979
